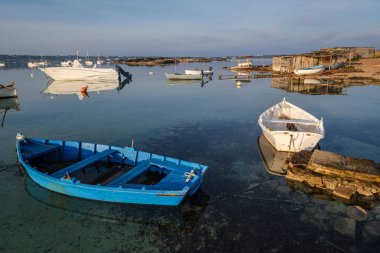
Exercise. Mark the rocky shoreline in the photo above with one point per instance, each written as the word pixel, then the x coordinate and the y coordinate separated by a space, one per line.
pixel 161 61
pixel 346 179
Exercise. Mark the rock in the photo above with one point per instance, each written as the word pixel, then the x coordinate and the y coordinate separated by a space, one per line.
pixel 345 227
pixel 371 230
pixel 283 189
pixel 330 183
pixel 300 197
pixel 253 185
pixel 314 181
pixel 365 190
pixel 357 213
pixel 295 207
pixel 344 193
pixel 271 184
pixel 377 217
pixel 336 208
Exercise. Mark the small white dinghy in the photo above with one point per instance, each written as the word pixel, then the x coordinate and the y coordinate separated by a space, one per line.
pixel 176 76
pixel 309 71
pixel 198 71
pixel 289 128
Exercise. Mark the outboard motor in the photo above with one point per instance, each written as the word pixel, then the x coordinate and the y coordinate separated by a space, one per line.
pixel 121 71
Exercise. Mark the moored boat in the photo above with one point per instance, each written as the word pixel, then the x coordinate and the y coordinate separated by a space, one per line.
pixel 108 173
pixel 198 71
pixel 289 128
pixel 176 76
pixel 78 72
pixel 2 64
pixel 8 91
pixel 310 71
pixel 32 64
pixel 66 63
pixel 336 65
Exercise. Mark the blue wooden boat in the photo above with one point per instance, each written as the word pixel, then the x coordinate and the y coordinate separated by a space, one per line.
pixel 108 173
pixel 336 65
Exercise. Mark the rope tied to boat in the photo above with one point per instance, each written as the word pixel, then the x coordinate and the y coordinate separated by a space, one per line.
pixel 291 141
pixel 190 175
pixel 20 137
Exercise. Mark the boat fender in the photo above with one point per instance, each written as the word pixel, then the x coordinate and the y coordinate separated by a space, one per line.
pixel 84 89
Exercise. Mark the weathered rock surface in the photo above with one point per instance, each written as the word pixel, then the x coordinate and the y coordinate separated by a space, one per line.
pixel 371 230
pixel 346 179
pixel 357 213
pixel 345 227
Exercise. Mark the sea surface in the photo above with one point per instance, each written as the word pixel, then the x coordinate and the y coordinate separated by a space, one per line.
pixel 240 206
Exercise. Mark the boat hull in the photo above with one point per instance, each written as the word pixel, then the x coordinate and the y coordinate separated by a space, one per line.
pixel 77 74
pixel 289 128
pixel 170 76
pixel 129 193
pixel 8 92
pixel 300 140
pixel 309 71
pixel 198 72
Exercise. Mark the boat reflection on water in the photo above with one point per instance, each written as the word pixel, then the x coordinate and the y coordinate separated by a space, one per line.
pixel 310 86
pixel 275 161
pixel 201 82
pixel 82 88
pixel 183 216
pixel 7 104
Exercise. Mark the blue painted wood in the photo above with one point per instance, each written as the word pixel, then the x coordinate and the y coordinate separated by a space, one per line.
pixel 170 190
pixel 130 175
pixel 35 149
pixel 83 163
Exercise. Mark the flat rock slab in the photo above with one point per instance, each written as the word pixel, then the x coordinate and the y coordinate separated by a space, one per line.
pixel 332 164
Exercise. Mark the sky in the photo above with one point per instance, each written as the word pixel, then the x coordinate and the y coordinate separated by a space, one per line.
pixel 185 28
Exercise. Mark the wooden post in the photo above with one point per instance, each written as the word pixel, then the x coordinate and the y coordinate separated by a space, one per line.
pixel 350 59
pixel 330 60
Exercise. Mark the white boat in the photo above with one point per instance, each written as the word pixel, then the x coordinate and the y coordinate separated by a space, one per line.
pixel 32 64
pixel 2 64
pixel 88 63
pixel 41 63
pixel 78 72
pixel 246 64
pixel 310 71
pixel 176 76
pixel 81 88
pixel 66 63
pixel 198 72
pixel 289 128
pixel 99 61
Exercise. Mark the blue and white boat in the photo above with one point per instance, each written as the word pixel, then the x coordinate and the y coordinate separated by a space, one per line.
pixel 108 173
pixel 310 71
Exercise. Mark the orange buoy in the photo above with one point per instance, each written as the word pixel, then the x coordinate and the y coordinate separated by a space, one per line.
pixel 84 89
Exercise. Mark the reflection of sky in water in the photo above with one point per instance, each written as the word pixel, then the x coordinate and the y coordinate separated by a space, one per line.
pixel 216 125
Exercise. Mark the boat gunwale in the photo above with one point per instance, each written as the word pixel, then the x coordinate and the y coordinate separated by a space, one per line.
pixel 319 127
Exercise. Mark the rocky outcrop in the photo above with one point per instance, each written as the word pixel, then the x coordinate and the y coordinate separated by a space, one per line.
pixel 346 179
pixel 152 61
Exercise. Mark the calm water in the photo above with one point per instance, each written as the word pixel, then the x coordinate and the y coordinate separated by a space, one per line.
pixel 240 208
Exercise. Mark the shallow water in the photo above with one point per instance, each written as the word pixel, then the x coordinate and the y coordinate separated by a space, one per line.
pixel 240 208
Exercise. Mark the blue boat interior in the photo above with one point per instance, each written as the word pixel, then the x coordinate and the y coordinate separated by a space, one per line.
pixel 108 166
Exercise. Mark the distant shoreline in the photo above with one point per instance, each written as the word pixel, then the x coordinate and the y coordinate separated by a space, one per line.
pixel 153 61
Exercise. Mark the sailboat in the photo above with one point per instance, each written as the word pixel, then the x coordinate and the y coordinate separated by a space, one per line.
pixel 88 62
